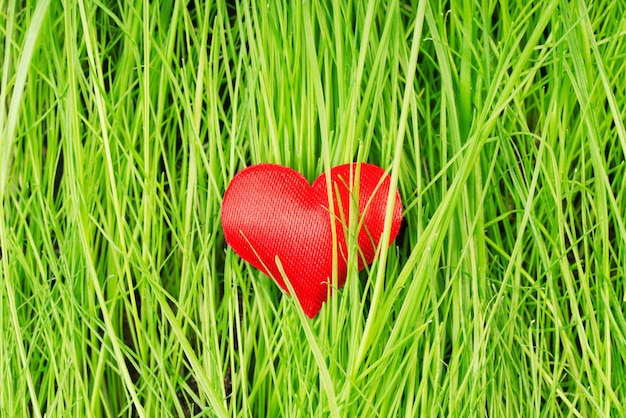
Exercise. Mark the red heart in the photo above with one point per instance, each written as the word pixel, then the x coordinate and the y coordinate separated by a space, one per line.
pixel 271 211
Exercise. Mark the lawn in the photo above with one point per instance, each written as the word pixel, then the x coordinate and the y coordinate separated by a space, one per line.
pixel 500 123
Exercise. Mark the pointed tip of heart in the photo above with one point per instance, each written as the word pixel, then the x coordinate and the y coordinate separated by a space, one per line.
pixel 311 311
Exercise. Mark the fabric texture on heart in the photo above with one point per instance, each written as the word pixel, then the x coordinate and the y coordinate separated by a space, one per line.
pixel 270 211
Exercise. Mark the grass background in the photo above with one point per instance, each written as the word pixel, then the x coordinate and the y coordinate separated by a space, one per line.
pixel 501 124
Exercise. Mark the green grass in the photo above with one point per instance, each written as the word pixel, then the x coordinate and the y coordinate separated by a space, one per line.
pixel 502 125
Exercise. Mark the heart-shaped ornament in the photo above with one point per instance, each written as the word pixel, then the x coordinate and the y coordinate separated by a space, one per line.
pixel 271 211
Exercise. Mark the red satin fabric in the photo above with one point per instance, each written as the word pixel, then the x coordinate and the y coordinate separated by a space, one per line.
pixel 271 211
